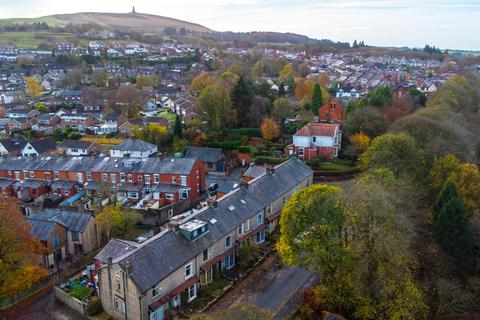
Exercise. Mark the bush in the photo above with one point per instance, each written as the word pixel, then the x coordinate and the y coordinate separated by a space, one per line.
pixel 94 307
pixel 245 149
pixel 227 145
pixel 250 132
pixel 269 160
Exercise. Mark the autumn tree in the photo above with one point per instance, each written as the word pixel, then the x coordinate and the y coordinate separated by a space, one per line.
pixel 359 142
pixel 396 152
pixel 216 106
pixel 201 81
pixel 257 70
pixel 115 220
pixel 317 99
pixel 154 133
pixel 367 120
pixel 287 73
pixel 303 90
pixel 145 81
pixel 33 87
pixel 282 109
pixel 17 247
pixel 129 100
pixel 100 78
pixel 270 130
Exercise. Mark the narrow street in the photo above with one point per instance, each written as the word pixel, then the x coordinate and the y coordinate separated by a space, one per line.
pixel 276 289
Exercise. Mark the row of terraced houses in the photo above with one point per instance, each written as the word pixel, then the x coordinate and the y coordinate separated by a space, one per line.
pixel 168 180
pixel 144 281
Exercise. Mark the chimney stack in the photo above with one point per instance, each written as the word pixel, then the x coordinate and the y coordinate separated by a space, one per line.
pixel 270 169
pixel 212 203
pixel 128 268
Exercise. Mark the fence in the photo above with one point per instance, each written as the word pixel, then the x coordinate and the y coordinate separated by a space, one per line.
pixel 14 298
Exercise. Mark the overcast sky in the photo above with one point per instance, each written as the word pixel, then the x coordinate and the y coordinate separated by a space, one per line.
pixel 444 23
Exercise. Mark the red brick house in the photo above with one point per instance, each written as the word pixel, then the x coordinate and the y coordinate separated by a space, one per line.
pixel 332 111
pixel 400 91
pixel 316 139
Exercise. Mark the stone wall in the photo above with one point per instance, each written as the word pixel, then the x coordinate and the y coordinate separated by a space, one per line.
pixel 73 303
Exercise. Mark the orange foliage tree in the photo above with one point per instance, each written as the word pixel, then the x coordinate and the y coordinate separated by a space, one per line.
pixel 270 129
pixel 17 247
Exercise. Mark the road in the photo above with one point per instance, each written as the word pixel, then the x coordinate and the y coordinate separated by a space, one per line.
pixel 269 287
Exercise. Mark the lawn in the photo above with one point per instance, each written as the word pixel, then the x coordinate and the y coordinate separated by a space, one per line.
pixel 78 291
pixel 167 115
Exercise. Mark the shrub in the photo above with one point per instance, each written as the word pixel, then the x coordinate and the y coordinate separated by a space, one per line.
pixel 94 307
pixel 269 160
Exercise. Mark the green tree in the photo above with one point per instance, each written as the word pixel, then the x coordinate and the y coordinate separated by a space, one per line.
pixel 367 120
pixel 282 109
pixel 177 128
pixel 100 78
pixel 241 98
pixel 317 99
pixel 452 228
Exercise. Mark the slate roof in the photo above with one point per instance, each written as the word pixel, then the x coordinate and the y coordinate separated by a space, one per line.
pixel 255 171
pixel 63 184
pixel 75 144
pixel 72 220
pixel 161 255
pixel 11 144
pixel 5 183
pixel 204 154
pixel 134 145
pixel 44 145
pixel 165 187
pixel 30 183
pixel 115 248
pixel 97 164
pixel 41 229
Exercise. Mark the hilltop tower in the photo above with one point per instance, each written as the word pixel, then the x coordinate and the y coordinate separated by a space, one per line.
pixel 133 10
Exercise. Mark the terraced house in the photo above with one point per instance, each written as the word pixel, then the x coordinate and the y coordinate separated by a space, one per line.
pixel 131 178
pixel 143 281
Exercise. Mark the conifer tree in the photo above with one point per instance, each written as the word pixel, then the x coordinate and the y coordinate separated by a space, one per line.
pixel 317 99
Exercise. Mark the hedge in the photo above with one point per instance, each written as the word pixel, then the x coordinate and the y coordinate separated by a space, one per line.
pixel 227 145
pixel 269 160
pixel 250 132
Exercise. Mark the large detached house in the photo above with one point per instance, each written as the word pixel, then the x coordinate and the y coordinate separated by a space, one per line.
pixel 316 139
pixel 144 281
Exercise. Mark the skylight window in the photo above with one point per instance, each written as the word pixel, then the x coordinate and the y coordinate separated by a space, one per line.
pixel 213 221
pixel 243 201
pixel 231 208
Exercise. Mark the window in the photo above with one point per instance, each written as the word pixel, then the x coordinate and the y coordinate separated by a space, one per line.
pixel 133 195
pixel 300 151
pixel 247 227
pixel 188 271
pixel 259 219
pixel 113 177
pixel 47 175
pixel 314 139
pixel 261 236
pixel 192 293
pixel 104 177
pixel 174 180
pixel 119 305
pixel 170 213
pixel 25 174
pixel 55 175
pixel 147 179
pixel 140 178
pixel 56 240
pixel 118 284
pixel 89 176
pixel 205 254
pixel 130 178
pixel 228 242
pixel 155 292
pixel 122 177
pixel 229 261
pixel 156 178
pixel 183 180
pixel 75 236
pixel 240 228
pixel 169 196
pixel 32 174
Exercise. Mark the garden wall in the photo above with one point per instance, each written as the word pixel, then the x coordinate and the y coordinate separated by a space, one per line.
pixel 73 303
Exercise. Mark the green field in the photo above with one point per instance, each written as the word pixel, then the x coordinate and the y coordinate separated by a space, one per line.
pixel 50 20
pixel 31 40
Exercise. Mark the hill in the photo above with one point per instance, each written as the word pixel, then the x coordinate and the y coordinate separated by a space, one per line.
pixel 132 21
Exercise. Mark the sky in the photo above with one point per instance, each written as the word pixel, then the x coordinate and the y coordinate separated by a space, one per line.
pixel 448 24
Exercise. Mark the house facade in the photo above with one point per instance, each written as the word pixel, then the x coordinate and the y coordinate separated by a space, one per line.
pixel 332 111
pixel 144 281
pixel 316 139
pixel 132 177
